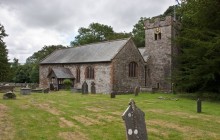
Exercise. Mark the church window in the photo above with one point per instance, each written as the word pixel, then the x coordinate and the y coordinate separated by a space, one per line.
pixel 157 34
pixel 133 69
pixel 89 72
pixel 77 75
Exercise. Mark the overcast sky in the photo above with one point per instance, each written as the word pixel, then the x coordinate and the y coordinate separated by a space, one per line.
pixel 31 24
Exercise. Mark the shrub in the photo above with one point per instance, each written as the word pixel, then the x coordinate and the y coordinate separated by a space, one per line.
pixel 67 83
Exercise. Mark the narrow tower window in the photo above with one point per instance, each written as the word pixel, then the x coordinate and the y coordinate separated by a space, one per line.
pixel 159 36
pixel 155 36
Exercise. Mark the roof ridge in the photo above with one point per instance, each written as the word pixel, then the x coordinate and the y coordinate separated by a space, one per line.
pixel 94 43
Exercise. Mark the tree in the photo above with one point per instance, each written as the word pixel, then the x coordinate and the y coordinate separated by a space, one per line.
pixel 22 74
pixel 96 32
pixel 14 66
pixel 5 66
pixel 138 33
pixel 41 54
pixel 199 41
pixel 34 60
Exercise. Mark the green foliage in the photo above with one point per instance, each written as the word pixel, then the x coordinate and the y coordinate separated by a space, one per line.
pixel 34 60
pixel 41 54
pixel 138 33
pixel 199 41
pixel 67 83
pixel 13 68
pixel 96 32
pixel 4 65
pixel 22 74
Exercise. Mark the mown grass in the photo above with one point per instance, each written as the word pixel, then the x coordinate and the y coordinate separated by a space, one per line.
pixel 65 115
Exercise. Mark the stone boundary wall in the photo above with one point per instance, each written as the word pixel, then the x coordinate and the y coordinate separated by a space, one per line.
pixel 19 84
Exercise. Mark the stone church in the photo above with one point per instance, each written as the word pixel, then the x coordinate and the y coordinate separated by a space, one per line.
pixel 118 65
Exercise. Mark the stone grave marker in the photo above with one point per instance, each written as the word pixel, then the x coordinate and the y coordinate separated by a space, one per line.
pixel 134 119
pixel 9 95
pixel 199 106
pixel 93 89
pixel 136 90
pixel 113 94
pixel 84 88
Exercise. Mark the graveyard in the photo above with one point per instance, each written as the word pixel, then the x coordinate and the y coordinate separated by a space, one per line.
pixel 66 115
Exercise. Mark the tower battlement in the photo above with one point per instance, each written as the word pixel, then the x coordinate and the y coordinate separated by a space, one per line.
pixel 159 21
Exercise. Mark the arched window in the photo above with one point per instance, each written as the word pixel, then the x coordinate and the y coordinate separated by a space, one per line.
pixel 77 75
pixel 89 72
pixel 132 69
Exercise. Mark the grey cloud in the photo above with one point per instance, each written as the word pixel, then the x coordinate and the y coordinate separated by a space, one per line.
pixel 43 22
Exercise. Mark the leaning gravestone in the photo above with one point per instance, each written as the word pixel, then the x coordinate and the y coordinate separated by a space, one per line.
pixel 93 89
pixel 9 95
pixel 136 90
pixel 135 122
pixel 85 88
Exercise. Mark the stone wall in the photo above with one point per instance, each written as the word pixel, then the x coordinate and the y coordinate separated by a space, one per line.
pixel 160 51
pixel 120 69
pixel 102 76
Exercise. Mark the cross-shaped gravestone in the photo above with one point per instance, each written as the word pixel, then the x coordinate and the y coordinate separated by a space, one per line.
pixel 134 119
pixel 93 90
pixel 85 88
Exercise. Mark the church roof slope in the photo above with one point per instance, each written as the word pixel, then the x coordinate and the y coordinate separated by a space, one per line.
pixel 62 72
pixel 96 52
pixel 144 54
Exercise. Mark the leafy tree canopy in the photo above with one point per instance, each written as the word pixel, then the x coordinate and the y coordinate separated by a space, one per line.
pixel 138 33
pixel 41 54
pixel 199 41
pixel 96 32
pixel 5 67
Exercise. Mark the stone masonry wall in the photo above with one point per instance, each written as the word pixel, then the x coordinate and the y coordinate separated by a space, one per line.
pixel 121 80
pixel 160 52
pixel 102 74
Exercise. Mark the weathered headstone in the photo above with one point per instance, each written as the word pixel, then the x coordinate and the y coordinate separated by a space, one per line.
pixel 9 95
pixel 136 90
pixel 134 119
pixel 84 88
pixel 93 89
pixel 25 91
pixel 113 94
pixel 199 106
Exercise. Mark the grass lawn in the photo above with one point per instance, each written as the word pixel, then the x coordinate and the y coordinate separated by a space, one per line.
pixel 64 115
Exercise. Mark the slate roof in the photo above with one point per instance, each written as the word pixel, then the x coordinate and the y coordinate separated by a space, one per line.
pixel 96 52
pixel 144 54
pixel 62 72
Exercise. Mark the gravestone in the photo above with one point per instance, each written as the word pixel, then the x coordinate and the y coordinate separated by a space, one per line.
pixel 136 90
pixel 9 95
pixel 93 89
pixel 25 91
pixel 199 106
pixel 113 94
pixel 134 119
pixel 84 88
